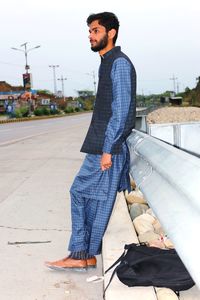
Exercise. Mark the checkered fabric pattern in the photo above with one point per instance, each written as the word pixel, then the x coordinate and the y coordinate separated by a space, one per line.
pixel 120 75
pixel 93 191
pixel 93 194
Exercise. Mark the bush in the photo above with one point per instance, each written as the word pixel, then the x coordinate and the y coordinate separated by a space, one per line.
pixel 41 111
pixel 46 111
pixel 69 109
pixel 38 111
pixel 21 112
pixel 17 113
pixel 55 112
pixel 24 111
pixel 77 109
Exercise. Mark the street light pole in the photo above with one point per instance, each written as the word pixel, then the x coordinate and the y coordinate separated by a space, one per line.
pixel 25 51
pixel 54 77
pixel 27 76
pixel 62 81
pixel 26 59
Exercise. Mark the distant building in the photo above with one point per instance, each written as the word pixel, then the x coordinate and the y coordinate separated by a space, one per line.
pixel 176 100
pixel 15 96
pixel 85 94
pixel 73 103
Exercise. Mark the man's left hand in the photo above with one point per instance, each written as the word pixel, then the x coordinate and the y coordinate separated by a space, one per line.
pixel 106 161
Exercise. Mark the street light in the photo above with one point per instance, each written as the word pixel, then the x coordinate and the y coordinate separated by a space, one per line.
pixel 27 75
pixel 27 67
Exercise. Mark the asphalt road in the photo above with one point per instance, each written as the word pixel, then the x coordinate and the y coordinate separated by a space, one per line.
pixel 13 132
pixel 38 161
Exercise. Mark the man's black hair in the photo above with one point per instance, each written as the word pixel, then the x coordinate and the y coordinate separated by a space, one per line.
pixel 106 19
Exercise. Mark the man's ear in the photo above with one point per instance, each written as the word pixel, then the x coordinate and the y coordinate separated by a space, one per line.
pixel 111 33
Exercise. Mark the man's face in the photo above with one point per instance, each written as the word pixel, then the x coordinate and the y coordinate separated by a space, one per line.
pixel 98 36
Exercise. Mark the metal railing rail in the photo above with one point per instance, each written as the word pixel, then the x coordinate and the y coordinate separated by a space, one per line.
pixel 170 181
pixel 185 135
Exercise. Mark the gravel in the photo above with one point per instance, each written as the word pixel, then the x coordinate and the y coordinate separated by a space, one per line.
pixel 174 115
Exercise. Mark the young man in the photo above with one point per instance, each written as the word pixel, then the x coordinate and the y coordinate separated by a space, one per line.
pixel 105 168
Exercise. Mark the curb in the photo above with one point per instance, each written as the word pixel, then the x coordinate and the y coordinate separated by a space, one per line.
pixel 40 118
pixel 120 231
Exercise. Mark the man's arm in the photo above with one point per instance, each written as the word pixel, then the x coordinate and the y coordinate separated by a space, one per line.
pixel 121 81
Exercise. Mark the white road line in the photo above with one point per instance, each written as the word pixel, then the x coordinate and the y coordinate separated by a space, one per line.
pixel 17 128
pixel 21 139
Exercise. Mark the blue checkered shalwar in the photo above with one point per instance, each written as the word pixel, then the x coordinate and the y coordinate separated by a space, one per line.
pixel 93 191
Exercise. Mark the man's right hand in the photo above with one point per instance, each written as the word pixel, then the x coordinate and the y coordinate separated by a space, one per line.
pixel 106 161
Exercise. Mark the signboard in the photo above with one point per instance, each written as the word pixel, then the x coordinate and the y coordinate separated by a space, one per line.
pixel 27 81
pixel 45 101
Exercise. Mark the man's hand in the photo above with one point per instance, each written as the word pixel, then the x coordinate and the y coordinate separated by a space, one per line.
pixel 106 161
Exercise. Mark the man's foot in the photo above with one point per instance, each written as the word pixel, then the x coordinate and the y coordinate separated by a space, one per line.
pixel 91 262
pixel 67 263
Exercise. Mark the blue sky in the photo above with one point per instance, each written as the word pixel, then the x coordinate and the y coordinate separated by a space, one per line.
pixel 160 37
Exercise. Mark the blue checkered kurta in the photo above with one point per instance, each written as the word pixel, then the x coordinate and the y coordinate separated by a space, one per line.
pixel 93 191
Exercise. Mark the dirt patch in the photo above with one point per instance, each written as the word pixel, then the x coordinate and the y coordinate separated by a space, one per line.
pixel 174 115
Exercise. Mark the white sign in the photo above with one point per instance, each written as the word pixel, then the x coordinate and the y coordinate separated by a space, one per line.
pixel 45 101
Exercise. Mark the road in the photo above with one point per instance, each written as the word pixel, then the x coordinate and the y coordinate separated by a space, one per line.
pixel 12 132
pixel 38 161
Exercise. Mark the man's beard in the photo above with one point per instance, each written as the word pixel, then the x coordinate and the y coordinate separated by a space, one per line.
pixel 101 44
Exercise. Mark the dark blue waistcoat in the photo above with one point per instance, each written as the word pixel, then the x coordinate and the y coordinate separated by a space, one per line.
pixel 95 137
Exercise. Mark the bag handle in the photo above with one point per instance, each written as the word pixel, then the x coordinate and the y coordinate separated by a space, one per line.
pixel 111 278
pixel 116 262
pixel 126 247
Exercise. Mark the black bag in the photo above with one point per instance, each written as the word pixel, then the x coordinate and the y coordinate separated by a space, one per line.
pixel 149 266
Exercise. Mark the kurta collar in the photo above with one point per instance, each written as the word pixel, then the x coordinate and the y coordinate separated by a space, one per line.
pixel 113 50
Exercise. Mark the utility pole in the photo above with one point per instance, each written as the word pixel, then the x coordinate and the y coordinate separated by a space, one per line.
pixel 54 77
pixel 63 88
pixel 94 80
pixel 177 85
pixel 174 82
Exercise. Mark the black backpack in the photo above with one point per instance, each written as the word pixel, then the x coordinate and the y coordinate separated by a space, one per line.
pixel 140 265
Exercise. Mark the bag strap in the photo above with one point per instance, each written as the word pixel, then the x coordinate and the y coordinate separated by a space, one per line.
pixel 126 247
pixel 113 273
pixel 116 262
pixel 111 278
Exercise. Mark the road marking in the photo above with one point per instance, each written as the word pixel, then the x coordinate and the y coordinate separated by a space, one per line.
pixel 21 139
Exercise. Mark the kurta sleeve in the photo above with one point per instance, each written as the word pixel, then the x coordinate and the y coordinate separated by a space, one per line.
pixel 121 87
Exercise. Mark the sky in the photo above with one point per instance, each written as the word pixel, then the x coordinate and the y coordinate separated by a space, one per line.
pixel 162 38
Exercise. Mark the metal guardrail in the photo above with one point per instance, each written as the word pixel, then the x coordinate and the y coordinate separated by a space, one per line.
pixel 170 181
pixel 185 136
